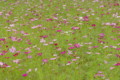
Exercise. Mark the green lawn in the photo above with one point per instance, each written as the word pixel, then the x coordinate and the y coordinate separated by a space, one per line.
pixel 59 39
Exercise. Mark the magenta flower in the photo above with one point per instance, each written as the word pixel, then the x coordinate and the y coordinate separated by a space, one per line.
pixel 13 49
pixel 93 25
pixel 95 46
pixel 85 18
pixel 58 30
pixel 1 39
pixel 118 55
pixel 45 60
pixel 71 47
pixel 63 52
pixel 14 38
pixel 24 75
pixel 75 28
pixel 117 48
pixel 39 54
pixel 27 52
pixel 49 19
pixel 117 64
pixel 102 34
pixel 45 36
pixel 74 59
pixel 77 45
pixel 117 27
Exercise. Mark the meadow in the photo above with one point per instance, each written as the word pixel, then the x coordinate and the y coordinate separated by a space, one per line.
pixel 59 39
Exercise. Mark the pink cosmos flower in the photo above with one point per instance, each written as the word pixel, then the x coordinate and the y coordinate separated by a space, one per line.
pixel 0 13
pixel 74 59
pixel 39 54
pixel 111 68
pixel 45 36
pixel 29 70
pixel 93 25
pixel 1 63
pixel 24 75
pixel 77 45
pixel 117 27
pixel 102 34
pixel 27 52
pixel 118 55
pixel 85 18
pixel 14 38
pixel 63 52
pixel 75 28
pixel 29 56
pixel 33 19
pixel 70 52
pixel 117 64
pixel 95 46
pixel 117 48
pixel 16 61
pixel 58 30
pixel 13 49
pixel 42 40
pixel 2 54
pixel 71 47
pixel 52 58
pixel 37 26
pixel 45 60
pixel 68 63
pixel 1 39
pixel 113 24
pixel 49 19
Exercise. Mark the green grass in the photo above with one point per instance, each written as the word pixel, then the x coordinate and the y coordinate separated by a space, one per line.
pixel 86 66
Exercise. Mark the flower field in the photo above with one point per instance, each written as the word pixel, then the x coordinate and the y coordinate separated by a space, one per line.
pixel 59 39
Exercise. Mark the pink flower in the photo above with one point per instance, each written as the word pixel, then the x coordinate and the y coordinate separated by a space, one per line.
pixel 37 26
pixel 118 55
pixel 71 47
pixel 1 63
pixel 29 70
pixel 24 75
pixel 0 13
pixel 77 45
pixel 16 61
pixel 45 36
pixel 58 30
pixel 85 18
pixel 101 34
pixel 95 46
pixel 1 39
pixel 39 54
pixel 14 38
pixel 112 68
pixel 117 27
pixel 45 60
pixel 93 25
pixel 2 54
pixel 52 58
pixel 74 28
pixel 13 49
pixel 63 52
pixel 29 56
pixel 42 40
pixel 117 64
pixel 49 19
pixel 27 52
pixel 117 48
pixel 74 59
